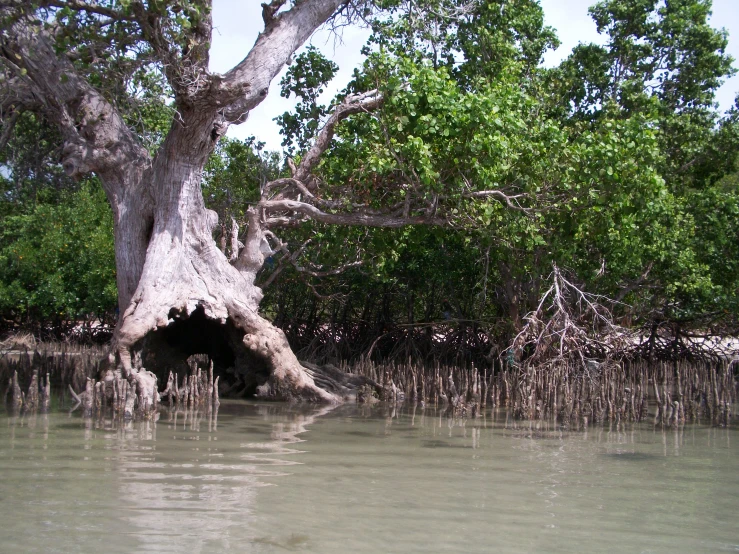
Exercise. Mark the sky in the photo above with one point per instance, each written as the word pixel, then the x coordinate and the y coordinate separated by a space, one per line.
pixel 237 24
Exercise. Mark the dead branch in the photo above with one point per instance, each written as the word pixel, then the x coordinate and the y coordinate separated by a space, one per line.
pixel 570 322
pixel 292 259
pixel 509 200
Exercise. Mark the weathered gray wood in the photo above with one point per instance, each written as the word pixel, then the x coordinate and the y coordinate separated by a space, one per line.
pixel 88 398
pixel 128 410
pixel 32 394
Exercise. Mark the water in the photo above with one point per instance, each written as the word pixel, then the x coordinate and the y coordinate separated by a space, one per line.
pixel 271 478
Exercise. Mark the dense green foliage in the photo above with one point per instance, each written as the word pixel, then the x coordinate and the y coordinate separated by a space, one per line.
pixel 57 263
pixel 620 163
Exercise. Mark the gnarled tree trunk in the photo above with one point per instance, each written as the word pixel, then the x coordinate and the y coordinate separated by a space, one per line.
pixel 184 273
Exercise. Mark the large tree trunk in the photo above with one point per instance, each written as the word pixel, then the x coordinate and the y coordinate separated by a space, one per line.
pixel 187 281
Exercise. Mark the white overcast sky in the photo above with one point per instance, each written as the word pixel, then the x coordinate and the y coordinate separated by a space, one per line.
pixel 238 22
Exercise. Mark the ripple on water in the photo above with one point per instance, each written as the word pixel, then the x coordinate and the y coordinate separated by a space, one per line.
pixel 274 479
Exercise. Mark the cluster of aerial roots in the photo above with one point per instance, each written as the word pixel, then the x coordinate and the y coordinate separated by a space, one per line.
pixel 462 391
pixel 574 392
pixel 618 391
pixel 197 389
pixel 130 399
pixel 117 395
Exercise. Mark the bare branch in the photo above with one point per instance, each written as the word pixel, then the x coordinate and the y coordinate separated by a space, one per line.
pixel 292 166
pixel 352 104
pixel 328 273
pixel 293 258
pixel 286 182
pixel 310 205
pixel 354 219
pixel 287 258
pixel 246 85
pixel 509 200
pixel 234 241
pixel 571 322
pixel 506 199
pixel 307 196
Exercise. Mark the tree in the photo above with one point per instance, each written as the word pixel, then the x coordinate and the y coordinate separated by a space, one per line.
pixel 57 264
pixel 73 62
pixel 80 65
pixel 662 62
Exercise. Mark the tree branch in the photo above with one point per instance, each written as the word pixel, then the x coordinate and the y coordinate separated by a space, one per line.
pixel 287 182
pixel 354 219
pixel 352 104
pixel 92 7
pixel 506 199
pixel 246 85
pixel 269 11
pixel 95 136
pixel 186 64
pixel 184 59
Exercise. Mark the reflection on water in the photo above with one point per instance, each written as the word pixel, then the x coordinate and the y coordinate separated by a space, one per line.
pixel 177 484
pixel 271 478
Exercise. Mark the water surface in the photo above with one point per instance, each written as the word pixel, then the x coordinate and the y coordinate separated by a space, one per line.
pixel 275 478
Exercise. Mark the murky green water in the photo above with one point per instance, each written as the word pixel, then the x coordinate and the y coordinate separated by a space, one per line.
pixel 269 478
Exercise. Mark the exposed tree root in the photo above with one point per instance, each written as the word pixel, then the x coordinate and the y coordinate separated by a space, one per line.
pixel 249 354
pixel 345 385
pixel 197 389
